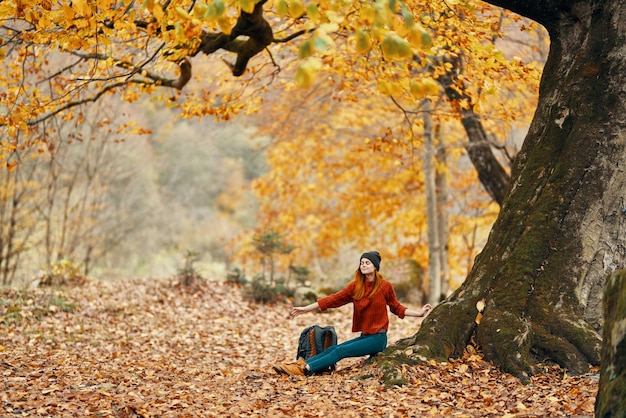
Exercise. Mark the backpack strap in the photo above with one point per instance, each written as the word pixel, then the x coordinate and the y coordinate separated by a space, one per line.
pixel 328 339
pixel 312 342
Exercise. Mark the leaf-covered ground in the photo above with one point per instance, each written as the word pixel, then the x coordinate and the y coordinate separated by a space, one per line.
pixel 146 348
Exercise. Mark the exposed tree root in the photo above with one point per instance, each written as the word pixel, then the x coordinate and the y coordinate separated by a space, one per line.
pixel 514 343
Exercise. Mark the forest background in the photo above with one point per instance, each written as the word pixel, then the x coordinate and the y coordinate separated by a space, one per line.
pixel 356 109
pixel 132 189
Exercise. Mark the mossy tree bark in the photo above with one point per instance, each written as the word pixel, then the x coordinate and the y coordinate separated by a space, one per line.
pixel 612 391
pixel 562 227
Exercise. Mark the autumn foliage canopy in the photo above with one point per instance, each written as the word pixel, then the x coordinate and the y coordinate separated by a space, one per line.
pixel 346 129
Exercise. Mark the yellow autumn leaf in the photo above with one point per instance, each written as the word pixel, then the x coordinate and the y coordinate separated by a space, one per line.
pixel 313 13
pixel 200 10
pixel 477 107
pixel 307 70
pixel 220 7
pixel 407 18
pixel 431 87
pixel 395 89
pixel 480 305
pixel 418 90
pixel 335 17
pixel 157 11
pixel 414 35
pixel 247 5
pixel 427 40
pixel 404 48
pixel 296 9
pixel 384 87
pixel 182 13
pixel 7 9
pixel 306 49
pixel 44 22
pixel 465 103
pixel 388 46
pixel 69 13
pixel 362 42
pixel 394 5
pixel 82 8
pixel 225 24
pixel 395 46
pixel 368 15
pixel 282 8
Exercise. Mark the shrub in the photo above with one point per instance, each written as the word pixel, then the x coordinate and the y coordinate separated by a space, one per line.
pixel 19 306
pixel 261 292
pixel 62 273
pixel 301 274
pixel 187 275
pixel 236 276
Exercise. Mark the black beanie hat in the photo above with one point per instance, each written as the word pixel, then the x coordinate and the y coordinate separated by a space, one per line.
pixel 374 257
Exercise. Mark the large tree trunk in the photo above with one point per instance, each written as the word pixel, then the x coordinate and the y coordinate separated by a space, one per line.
pixel 562 228
pixel 612 391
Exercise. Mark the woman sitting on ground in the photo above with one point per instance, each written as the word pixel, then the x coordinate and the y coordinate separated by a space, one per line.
pixel 370 295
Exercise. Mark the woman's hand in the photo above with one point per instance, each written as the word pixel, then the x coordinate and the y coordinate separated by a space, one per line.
pixel 297 310
pixel 425 309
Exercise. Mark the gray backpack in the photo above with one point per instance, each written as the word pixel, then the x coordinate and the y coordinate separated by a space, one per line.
pixel 314 340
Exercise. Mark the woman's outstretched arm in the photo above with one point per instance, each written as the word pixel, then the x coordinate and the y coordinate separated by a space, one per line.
pixel 419 312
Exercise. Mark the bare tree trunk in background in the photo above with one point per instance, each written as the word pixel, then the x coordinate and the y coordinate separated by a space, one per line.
pixel 16 221
pixel 491 173
pixel 46 208
pixel 434 258
pixel 10 231
pixel 87 205
pixel 73 203
pixel 441 182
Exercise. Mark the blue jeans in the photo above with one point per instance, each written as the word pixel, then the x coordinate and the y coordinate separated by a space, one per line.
pixel 357 347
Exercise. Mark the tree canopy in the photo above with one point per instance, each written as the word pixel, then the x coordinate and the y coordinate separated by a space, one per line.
pixel 64 54
pixel 353 77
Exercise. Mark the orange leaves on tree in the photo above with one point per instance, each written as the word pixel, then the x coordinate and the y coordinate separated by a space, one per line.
pixel 82 8
pixel 68 12
pixel 336 175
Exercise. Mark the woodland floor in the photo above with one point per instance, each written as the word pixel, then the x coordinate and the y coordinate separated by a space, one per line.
pixel 146 348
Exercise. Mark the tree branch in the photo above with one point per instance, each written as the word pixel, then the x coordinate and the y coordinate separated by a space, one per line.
pixel 541 11
pixel 91 99
pixel 292 36
pixel 254 26
pixel 491 174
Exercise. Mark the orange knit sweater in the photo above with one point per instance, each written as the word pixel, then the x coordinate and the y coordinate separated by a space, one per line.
pixel 369 314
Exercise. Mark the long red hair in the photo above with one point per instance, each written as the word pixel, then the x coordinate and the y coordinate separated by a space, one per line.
pixel 359 289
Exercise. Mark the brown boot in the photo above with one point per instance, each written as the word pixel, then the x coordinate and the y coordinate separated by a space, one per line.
pixel 295 368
